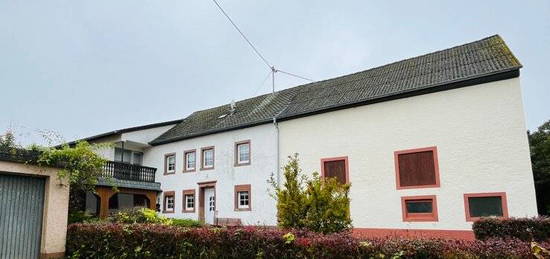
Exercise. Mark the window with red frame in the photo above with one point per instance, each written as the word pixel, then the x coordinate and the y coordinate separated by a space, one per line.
pixel 419 208
pixel 335 168
pixel 417 168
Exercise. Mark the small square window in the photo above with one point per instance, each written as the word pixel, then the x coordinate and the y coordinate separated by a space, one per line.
pixel 242 197
pixel 242 153
pixel 480 205
pixel 169 202
pixel 170 163
pixel 190 158
pixel 419 208
pixel 208 158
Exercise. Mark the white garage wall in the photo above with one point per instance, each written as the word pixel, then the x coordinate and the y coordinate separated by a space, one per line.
pixel 479 132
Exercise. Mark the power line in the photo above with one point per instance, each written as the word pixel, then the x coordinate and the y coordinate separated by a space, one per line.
pixel 242 34
pixel 272 68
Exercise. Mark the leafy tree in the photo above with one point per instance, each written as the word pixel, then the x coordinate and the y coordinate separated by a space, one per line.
pixel 539 142
pixel 79 164
pixel 317 204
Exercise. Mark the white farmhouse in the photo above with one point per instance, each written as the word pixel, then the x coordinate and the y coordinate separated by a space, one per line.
pixel 429 144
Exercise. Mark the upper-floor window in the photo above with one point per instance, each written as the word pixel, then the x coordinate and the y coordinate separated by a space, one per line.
pixel 190 160
pixel 479 205
pixel 417 168
pixel 128 156
pixel 207 158
pixel 336 167
pixel 242 153
pixel 170 163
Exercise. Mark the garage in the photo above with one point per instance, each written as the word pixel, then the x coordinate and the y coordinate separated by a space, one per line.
pixel 21 211
pixel 33 209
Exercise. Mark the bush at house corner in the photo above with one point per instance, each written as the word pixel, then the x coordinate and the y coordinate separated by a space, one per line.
pixel 162 241
pixel 526 229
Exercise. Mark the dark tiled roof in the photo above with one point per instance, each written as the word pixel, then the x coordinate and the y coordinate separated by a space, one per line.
pixel 441 69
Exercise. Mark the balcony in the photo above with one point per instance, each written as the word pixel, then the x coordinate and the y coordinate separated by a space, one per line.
pixel 124 171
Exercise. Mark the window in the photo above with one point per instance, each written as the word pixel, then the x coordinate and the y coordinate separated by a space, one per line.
pixel 169 202
pixel 128 156
pixel 417 168
pixel 335 167
pixel 479 205
pixel 170 163
pixel 419 208
pixel 190 160
pixel 207 158
pixel 243 197
pixel 242 153
pixel 189 200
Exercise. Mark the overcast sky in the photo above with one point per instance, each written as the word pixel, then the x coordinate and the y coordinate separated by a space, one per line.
pixel 85 67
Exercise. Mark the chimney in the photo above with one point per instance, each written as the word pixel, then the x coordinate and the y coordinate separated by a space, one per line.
pixel 232 107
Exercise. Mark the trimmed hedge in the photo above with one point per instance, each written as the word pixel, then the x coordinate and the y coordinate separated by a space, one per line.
pixel 526 229
pixel 160 241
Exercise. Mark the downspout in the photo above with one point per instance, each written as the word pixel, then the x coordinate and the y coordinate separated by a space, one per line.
pixel 276 124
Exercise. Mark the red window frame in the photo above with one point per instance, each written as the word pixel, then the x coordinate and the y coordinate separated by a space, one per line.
pixel 417 150
pixel 185 170
pixel 189 192
pixel 331 159
pixel 419 217
pixel 166 195
pixel 503 200
pixel 243 188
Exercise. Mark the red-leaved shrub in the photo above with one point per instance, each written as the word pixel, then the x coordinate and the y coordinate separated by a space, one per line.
pixel 157 241
pixel 526 229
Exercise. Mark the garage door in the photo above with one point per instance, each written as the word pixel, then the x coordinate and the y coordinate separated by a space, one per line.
pixel 21 206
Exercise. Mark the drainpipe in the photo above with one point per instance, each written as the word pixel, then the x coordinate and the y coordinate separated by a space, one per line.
pixel 276 124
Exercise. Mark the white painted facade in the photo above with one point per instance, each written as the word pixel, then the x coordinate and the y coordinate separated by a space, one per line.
pixel 263 141
pixel 479 132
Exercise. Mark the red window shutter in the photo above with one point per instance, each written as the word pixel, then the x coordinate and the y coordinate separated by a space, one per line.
pixel 416 169
pixel 336 169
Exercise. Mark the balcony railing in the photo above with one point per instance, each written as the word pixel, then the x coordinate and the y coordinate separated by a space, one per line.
pixel 131 172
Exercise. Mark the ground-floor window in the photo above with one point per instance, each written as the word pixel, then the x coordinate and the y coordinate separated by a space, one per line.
pixel 479 205
pixel 243 197
pixel 188 200
pixel 169 202
pixel 419 208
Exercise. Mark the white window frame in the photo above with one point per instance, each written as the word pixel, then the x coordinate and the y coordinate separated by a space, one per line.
pixel 167 200
pixel 186 197
pixel 167 161
pixel 239 146
pixel 187 155
pixel 204 160
pixel 247 199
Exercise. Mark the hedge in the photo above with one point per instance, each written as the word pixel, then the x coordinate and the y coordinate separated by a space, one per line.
pixel 527 229
pixel 160 241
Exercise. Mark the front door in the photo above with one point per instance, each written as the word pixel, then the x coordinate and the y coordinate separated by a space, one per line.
pixel 210 205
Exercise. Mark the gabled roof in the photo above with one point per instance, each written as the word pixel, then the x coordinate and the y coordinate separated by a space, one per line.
pixel 485 60
pixel 126 130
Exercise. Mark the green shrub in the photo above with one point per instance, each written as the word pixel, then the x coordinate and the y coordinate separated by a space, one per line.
pixel 319 204
pixel 189 223
pixel 143 215
pixel 81 217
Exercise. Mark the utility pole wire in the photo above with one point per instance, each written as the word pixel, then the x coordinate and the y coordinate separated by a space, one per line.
pixel 290 74
pixel 242 34
pixel 272 68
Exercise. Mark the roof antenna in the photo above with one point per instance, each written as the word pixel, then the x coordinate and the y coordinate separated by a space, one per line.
pixel 232 107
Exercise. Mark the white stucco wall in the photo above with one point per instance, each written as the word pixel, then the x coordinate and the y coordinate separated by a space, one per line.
pixel 479 132
pixel 227 175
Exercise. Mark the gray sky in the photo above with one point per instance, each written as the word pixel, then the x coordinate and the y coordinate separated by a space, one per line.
pixel 85 67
